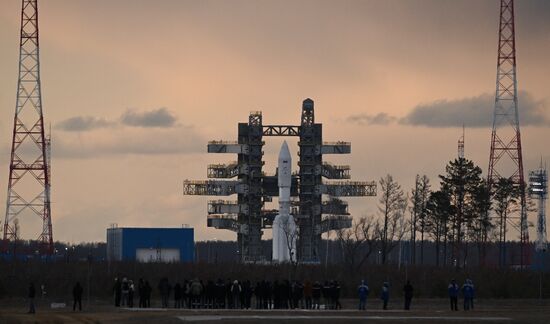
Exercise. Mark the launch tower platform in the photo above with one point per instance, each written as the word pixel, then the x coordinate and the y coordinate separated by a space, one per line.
pixel 318 207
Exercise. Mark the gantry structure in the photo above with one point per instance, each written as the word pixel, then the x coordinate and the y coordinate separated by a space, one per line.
pixel 317 205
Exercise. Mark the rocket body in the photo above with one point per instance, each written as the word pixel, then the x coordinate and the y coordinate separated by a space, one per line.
pixel 284 226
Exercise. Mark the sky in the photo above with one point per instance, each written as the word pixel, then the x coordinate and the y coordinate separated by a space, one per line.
pixel 134 90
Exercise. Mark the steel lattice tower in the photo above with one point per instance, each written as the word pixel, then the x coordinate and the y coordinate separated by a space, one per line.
pixel 506 156
pixel 29 180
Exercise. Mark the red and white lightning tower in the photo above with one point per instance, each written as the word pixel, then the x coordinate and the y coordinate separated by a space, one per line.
pixel 506 157
pixel 29 180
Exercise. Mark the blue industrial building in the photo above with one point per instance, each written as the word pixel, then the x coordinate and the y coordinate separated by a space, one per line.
pixel 150 244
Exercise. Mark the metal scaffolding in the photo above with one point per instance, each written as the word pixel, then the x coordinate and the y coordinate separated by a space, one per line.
pixel 247 217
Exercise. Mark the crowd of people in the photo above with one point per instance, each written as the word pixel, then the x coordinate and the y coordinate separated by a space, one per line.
pixel 468 292
pixel 232 294
pixel 285 294
pixel 124 291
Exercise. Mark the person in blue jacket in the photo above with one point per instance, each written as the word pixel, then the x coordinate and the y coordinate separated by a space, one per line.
pixel 363 291
pixel 468 294
pixel 453 294
pixel 385 296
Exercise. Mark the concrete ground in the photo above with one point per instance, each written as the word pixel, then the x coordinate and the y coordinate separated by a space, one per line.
pixel 423 311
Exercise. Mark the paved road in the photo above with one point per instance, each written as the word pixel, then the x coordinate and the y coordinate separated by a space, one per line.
pixel 506 311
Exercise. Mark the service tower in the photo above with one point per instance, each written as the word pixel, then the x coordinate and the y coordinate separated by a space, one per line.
pixel 317 204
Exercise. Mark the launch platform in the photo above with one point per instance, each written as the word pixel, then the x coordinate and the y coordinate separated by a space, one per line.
pixel 316 204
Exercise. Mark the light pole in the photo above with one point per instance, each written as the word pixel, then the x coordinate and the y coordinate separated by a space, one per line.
pixel 215 250
pixel 90 259
pixel 538 188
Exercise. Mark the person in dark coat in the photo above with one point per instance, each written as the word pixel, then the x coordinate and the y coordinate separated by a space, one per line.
pixel 177 295
pixel 332 295
pixel 294 294
pixel 31 295
pixel 247 294
pixel 202 295
pixel 301 294
pixel 259 293
pixel 117 289
pixel 131 290
pixel 308 292
pixel 453 294
pixel 236 290
pixel 125 290
pixel 228 294
pixel 186 294
pixel 77 296
pixel 220 294
pixel 148 290
pixel 210 293
pixel 164 290
pixel 337 289
pixel 408 293
pixel 287 294
pixel 325 290
pixel 276 295
pixel 316 294
pixel 141 293
pixel 268 295
pixel 385 295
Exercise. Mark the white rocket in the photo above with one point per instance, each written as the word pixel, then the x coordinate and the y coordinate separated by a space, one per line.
pixel 284 227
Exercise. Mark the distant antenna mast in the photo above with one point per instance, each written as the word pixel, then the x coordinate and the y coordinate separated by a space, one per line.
pixel 461 144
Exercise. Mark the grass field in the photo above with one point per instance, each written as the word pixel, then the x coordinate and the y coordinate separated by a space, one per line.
pixel 423 311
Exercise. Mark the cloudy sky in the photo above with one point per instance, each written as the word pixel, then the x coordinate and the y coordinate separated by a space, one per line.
pixel 134 89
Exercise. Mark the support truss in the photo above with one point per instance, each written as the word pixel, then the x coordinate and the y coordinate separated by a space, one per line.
pixel 29 179
pixel 505 158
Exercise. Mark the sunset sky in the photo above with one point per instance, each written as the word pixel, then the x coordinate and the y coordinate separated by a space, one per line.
pixel 134 89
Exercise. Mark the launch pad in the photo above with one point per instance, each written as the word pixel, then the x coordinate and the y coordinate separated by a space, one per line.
pixel 247 216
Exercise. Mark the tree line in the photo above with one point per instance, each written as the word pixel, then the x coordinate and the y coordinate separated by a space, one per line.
pixel 461 213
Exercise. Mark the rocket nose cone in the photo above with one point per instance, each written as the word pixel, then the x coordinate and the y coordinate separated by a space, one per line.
pixel 284 153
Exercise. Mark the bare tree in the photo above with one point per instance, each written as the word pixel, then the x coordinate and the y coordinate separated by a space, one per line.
pixel 392 206
pixel 419 198
pixel 291 232
pixel 358 242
